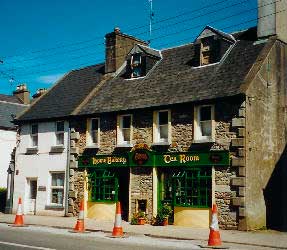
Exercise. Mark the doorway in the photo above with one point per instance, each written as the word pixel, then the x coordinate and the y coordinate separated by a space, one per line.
pixel 123 191
pixel 32 195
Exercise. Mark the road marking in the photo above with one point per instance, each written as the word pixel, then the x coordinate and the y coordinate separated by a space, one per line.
pixel 24 246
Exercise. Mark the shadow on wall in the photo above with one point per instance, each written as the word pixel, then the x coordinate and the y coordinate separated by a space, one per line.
pixel 275 195
pixel 2 199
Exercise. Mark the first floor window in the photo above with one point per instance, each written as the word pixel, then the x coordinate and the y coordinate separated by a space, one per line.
pixel 34 135
pixel 103 185
pixel 60 133
pixel 57 188
pixel 162 125
pixel 94 131
pixel 204 122
pixel 124 133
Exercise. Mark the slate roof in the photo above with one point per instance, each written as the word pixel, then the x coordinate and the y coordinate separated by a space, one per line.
pixel 172 81
pixel 175 81
pixel 66 95
pixel 9 98
pixel 8 110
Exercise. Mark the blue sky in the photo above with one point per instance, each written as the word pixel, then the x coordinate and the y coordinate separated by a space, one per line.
pixel 42 40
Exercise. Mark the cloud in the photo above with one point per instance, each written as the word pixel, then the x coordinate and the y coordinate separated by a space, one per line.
pixel 50 78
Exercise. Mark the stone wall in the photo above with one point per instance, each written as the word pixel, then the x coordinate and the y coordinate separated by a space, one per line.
pixel 229 134
pixel 141 188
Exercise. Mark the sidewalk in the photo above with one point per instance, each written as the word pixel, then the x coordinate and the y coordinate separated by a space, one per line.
pixel 265 238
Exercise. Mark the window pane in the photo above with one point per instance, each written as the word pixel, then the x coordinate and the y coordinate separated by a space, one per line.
pixel 60 126
pixel 57 196
pixel 94 136
pixel 163 132
pixel 126 135
pixel 163 117
pixel 34 140
pixel 58 179
pixel 95 124
pixel 34 129
pixel 137 71
pixel 205 113
pixel 206 128
pixel 136 59
pixel 60 139
pixel 126 121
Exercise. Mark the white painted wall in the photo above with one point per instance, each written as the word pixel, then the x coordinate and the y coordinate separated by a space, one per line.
pixel 7 143
pixel 39 166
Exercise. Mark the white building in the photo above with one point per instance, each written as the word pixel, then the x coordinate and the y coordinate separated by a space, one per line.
pixel 41 160
pixel 10 106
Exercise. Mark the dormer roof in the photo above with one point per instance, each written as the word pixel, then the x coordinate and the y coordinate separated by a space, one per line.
pixel 210 31
pixel 138 48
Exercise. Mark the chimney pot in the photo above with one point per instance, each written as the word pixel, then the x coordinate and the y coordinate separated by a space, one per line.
pixel 117 30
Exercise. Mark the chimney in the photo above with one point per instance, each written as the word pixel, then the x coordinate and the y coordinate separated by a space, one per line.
pixel 39 93
pixel 118 45
pixel 22 93
pixel 272 16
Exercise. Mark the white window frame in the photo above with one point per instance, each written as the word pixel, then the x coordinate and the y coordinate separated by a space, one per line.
pixel 156 128
pixel 139 65
pixel 120 134
pixel 36 135
pixel 90 132
pixel 198 137
pixel 57 133
pixel 61 187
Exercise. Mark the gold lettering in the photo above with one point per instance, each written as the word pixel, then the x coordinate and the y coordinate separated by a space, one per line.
pixel 182 158
pixel 166 158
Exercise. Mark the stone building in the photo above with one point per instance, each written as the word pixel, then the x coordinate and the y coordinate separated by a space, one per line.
pixel 188 126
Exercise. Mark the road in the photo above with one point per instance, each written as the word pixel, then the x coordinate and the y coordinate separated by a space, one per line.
pixel 43 238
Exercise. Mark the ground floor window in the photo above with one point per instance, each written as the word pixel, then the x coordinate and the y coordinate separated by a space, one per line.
pixel 103 185
pixel 185 187
pixel 57 188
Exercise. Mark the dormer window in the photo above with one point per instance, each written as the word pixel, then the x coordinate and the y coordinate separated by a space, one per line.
pixel 207 53
pixel 136 65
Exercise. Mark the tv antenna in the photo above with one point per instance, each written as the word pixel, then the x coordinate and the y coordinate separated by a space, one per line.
pixel 151 17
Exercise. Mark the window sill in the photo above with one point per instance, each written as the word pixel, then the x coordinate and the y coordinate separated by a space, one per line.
pixel 32 151
pixel 204 140
pixel 124 145
pixel 54 207
pixel 57 149
pixel 92 146
pixel 164 143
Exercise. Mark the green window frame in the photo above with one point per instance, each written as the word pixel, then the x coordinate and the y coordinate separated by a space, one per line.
pixel 103 186
pixel 192 188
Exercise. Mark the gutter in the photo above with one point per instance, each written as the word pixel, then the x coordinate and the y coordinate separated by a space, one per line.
pixel 67 175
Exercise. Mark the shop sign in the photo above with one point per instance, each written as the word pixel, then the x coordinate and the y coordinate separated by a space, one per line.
pixel 141 155
pixel 192 159
pixel 103 161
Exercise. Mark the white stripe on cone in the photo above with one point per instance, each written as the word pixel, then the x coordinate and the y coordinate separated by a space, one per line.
pixel 81 215
pixel 118 220
pixel 19 210
pixel 214 223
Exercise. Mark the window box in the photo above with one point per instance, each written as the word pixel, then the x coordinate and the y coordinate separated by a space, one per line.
pixel 54 207
pixel 32 150
pixel 57 149
pixel 96 146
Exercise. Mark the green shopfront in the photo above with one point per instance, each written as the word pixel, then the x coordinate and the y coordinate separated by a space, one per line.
pixel 145 180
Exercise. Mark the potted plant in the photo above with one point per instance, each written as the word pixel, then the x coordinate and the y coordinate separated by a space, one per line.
pixel 138 218
pixel 162 216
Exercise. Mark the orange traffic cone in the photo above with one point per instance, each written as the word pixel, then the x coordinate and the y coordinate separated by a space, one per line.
pixel 214 235
pixel 118 230
pixel 19 218
pixel 80 225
